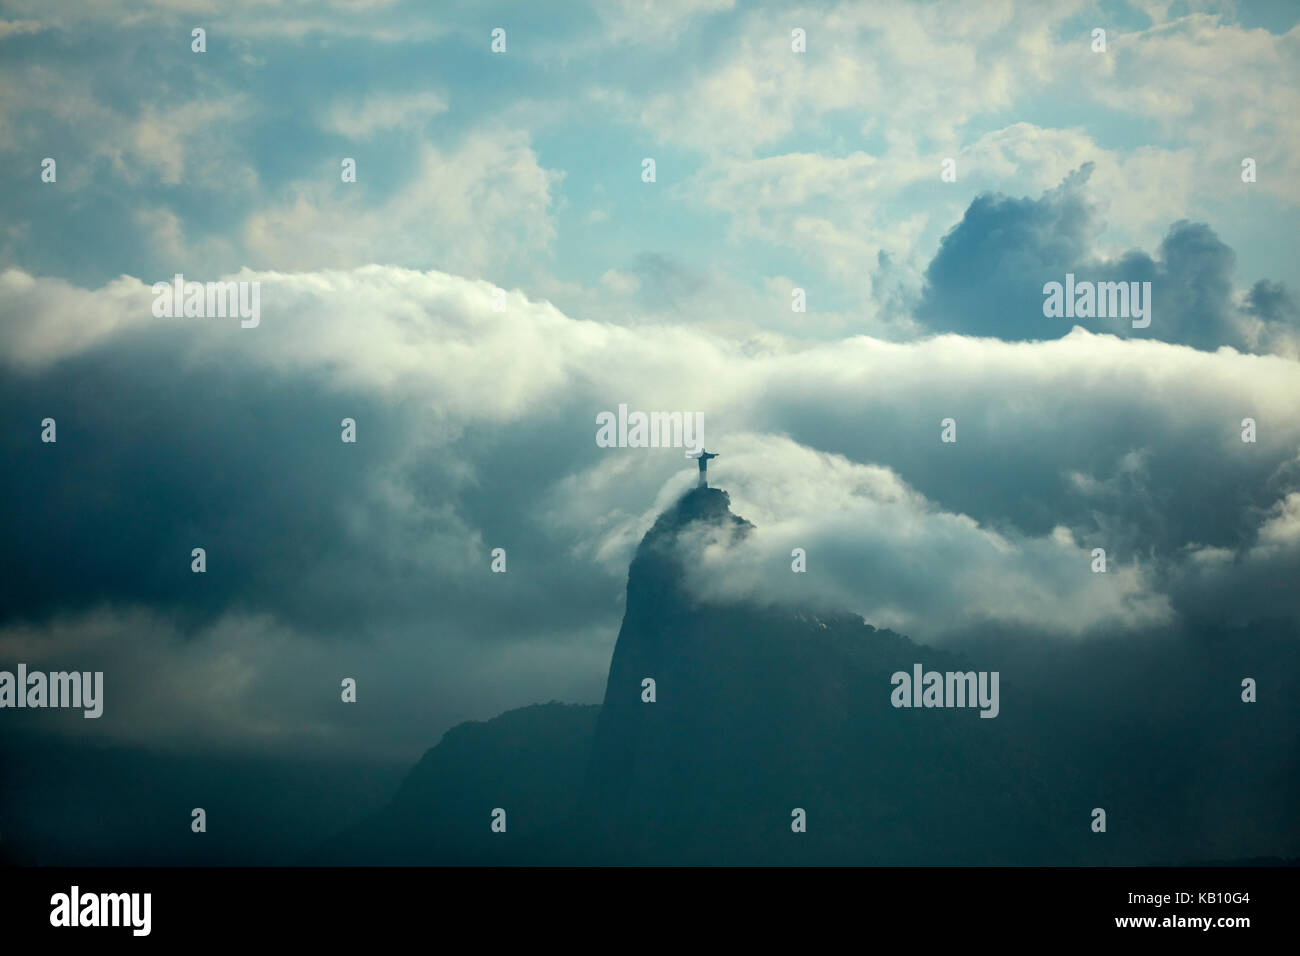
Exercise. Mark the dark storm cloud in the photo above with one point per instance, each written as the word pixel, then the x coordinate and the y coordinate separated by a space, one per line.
pixel 987 277
pixel 161 451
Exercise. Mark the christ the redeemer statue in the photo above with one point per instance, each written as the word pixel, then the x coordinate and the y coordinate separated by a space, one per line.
pixel 702 457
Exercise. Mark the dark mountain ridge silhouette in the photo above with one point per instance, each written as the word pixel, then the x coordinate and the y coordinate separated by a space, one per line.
pixel 761 711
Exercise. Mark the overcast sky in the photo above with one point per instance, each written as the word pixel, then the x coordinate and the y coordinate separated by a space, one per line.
pixel 522 171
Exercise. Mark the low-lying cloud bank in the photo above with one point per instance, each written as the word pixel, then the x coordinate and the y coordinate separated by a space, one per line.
pixel 476 430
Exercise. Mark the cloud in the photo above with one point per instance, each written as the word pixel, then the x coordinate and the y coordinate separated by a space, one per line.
pixel 182 433
pixel 989 274
pixel 188 143
pixel 380 21
pixel 483 202
pixel 40 339
pixel 1169 73
pixel 253 683
pixel 816 170
pixel 872 539
pixel 639 21
pixel 938 66
pixel 10 28
pixel 381 112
